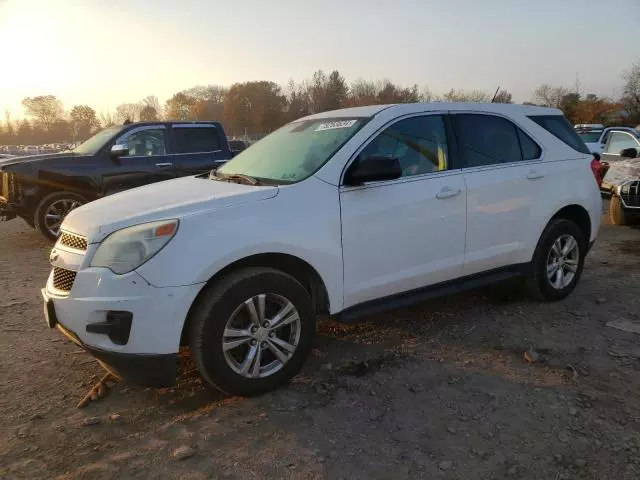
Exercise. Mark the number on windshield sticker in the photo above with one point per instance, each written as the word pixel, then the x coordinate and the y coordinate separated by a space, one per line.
pixel 335 125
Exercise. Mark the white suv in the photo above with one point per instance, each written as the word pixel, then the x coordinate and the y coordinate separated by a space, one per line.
pixel 342 213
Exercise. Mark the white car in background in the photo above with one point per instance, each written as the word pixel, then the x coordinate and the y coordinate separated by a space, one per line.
pixel 596 139
pixel 588 126
pixel 31 150
pixel 342 213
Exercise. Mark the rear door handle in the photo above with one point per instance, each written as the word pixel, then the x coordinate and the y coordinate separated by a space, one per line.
pixel 534 175
pixel 164 164
pixel 447 192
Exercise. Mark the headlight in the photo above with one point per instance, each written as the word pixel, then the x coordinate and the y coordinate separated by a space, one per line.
pixel 127 249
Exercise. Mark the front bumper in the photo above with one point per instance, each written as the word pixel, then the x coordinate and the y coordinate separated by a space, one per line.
pixel 156 371
pixel 7 212
pixel 144 351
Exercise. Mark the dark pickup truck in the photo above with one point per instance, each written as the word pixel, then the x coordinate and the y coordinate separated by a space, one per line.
pixel 43 189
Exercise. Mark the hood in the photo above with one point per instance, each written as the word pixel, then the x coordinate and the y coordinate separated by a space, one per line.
pixel 5 162
pixel 159 201
pixel 622 170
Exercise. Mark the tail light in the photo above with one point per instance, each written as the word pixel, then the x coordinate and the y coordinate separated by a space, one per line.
pixel 598 170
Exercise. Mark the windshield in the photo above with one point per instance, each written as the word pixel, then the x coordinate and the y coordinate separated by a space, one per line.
pixel 590 137
pixel 95 143
pixel 295 151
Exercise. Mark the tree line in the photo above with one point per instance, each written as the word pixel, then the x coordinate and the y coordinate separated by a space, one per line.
pixel 259 107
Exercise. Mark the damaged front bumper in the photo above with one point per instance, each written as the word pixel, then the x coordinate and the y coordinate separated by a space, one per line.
pixel 10 191
pixel 7 212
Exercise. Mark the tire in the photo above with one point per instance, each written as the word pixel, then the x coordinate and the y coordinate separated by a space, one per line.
pixel 617 215
pixel 224 303
pixel 64 201
pixel 539 284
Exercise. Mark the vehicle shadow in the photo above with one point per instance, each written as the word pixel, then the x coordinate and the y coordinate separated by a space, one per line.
pixel 354 349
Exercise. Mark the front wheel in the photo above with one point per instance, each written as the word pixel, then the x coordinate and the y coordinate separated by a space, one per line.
pixel 557 262
pixel 252 331
pixel 52 210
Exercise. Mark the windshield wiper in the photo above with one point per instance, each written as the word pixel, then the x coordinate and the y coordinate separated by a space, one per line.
pixel 230 177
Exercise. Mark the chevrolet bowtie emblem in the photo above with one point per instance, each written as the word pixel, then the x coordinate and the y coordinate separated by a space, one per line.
pixel 54 256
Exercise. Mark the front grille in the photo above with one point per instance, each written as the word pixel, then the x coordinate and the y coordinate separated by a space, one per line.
pixel 63 279
pixel 73 241
pixel 630 194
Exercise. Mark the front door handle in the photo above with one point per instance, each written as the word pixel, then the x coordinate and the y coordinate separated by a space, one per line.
pixel 534 175
pixel 164 164
pixel 447 192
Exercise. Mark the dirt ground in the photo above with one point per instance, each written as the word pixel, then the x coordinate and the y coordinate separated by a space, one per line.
pixel 440 390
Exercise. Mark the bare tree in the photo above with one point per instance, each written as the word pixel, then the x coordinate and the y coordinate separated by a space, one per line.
pixel 426 95
pixel 549 96
pixel 83 121
pixel 477 96
pixel 503 97
pixel 363 92
pixel 148 114
pixel 46 110
pixel 107 119
pixel 7 118
pixel 128 111
pixel 631 91
pixel 151 107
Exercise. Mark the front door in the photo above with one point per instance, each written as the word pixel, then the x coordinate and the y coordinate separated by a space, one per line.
pixel 408 233
pixel 148 160
pixel 504 178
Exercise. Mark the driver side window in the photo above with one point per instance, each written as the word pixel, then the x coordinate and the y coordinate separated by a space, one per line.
pixel 145 143
pixel 419 144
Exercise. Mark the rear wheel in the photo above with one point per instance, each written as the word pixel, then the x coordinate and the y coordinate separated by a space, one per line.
pixel 52 210
pixel 617 215
pixel 557 262
pixel 252 331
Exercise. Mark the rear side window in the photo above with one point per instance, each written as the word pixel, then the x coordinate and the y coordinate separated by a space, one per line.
pixel 559 127
pixel 196 139
pixel 489 140
pixel 530 149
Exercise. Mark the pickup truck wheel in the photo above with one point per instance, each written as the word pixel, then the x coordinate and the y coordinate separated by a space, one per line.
pixel 52 210
pixel 557 262
pixel 617 215
pixel 252 331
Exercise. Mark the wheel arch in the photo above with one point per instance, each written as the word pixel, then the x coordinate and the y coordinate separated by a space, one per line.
pixel 292 265
pixel 578 215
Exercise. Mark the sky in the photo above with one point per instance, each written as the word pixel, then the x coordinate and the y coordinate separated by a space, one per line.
pixel 106 52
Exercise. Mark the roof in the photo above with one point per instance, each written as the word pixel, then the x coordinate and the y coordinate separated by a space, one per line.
pixel 168 122
pixel 408 108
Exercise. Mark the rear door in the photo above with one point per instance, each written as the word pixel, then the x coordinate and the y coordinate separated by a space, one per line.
pixel 148 160
pixel 617 142
pixel 503 176
pixel 197 147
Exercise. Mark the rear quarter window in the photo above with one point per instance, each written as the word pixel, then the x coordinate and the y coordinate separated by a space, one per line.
pixel 560 128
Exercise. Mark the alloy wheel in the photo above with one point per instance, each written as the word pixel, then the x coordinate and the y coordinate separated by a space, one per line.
pixel 563 261
pixel 56 213
pixel 261 335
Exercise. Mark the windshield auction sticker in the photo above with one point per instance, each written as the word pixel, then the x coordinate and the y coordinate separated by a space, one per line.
pixel 335 125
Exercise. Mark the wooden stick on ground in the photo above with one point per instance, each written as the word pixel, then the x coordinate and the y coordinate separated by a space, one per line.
pixel 99 390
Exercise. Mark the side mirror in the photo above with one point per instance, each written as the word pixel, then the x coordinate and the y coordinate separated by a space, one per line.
pixel 373 169
pixel 629 153
pixel 119 150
